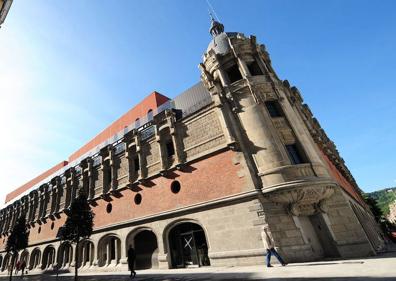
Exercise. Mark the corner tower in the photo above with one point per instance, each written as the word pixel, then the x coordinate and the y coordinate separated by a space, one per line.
pixel 238 74
pixel 288 163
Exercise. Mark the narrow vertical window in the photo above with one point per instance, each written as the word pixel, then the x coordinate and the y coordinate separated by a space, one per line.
pixel 136 163
pixel 108 175
pixel 150 115
pixel 170 148
pixel 295 155
pixel 274 109
pixel 137 122
pixel 233 73
pixel 86 183
pixel 254 68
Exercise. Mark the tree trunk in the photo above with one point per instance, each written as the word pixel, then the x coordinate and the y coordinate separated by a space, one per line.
pixel 76 262
pixel 12 268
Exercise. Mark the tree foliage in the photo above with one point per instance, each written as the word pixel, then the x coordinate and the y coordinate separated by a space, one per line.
pixel 18 240
pixel 19 237
pixel 78 225
pixel 79 221
pixel 373 205
pixel 379 215
pixel 384 198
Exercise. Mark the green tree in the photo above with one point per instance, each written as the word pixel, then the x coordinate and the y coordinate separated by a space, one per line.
pixel 78 225
pixel 375 209
pixel 18 240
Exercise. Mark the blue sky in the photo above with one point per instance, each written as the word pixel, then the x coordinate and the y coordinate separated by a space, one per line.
pixel 69 68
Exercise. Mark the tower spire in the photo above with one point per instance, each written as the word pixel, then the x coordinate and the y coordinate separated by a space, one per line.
pixel 215 27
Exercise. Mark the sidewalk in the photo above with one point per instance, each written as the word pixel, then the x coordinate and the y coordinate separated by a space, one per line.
pixel 378 268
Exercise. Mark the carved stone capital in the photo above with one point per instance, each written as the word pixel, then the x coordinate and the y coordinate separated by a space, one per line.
pixel 303 201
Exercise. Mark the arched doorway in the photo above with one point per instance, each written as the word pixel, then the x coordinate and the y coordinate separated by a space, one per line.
pixel 188 245
pixel 65 255
pixel 24 257
pixel 48 257
pixel 146 248
pixel 34 259
pixel 6 261
pixel 86 251
pixel 109 250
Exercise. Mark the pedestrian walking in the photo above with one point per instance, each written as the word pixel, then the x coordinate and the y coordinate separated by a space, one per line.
pixel 270 246
pixel 131 261
pixel 17 267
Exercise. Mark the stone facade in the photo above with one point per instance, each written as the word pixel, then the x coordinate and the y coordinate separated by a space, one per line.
pixel 207 180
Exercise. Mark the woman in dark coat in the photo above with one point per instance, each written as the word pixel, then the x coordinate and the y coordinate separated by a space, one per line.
pixel 131 261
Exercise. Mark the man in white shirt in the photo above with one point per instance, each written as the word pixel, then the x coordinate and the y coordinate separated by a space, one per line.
pixel 270 246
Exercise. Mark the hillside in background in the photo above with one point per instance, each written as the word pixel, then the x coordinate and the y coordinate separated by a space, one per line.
pixel 384 197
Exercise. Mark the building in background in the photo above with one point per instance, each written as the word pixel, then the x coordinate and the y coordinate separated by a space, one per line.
pixel 5 6
pixel 392 212
pixel 193 180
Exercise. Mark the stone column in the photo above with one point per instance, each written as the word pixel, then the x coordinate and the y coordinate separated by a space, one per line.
pixel 13 214
pixel 108 252
pixel 123 257
pixel 59 193
pixel 35 206
pixel 117 255
pixel 162 155
pixel 91 183
pixel 268 152
pixel 1 224
pixel 72 185
pixel 113 180
pixel 175 137
pixel 68 191
pixel 82 258
pixel 39 205
pixel 243 67
pixel 221 113
pixel 142 166
pixel 93 255
pixel 51 194
pixel 223 78
pixel 73 256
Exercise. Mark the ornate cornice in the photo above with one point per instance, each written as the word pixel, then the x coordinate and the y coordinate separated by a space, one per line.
pixel 303 200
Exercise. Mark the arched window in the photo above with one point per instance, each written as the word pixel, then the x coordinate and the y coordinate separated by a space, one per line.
pixel 150 115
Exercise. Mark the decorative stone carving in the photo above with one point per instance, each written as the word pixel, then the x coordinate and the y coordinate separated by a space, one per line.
pixel 303 201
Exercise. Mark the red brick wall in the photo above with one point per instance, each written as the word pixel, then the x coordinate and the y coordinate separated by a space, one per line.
pixel 34 181
pixel 46 233
pixel 342 181
pixel 210 178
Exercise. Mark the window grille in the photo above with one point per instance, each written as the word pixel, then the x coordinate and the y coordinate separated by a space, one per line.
pixel 97 161
pixel 147 133
pixel 119 148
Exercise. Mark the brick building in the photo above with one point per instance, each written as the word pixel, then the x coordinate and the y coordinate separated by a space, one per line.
pixel 192 181
pixel 5 6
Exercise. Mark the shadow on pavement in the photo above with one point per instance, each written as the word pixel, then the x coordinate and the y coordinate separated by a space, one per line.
pixel 196 276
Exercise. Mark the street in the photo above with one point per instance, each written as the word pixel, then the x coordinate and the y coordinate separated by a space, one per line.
pixel 378 268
